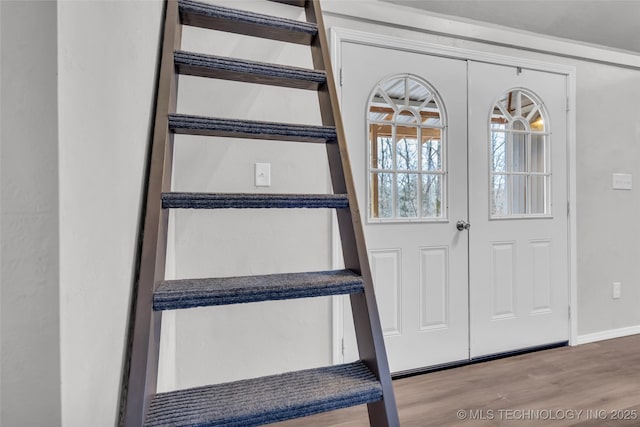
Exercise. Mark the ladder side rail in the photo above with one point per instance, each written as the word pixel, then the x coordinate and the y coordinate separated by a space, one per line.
pixel 366 318
pixel 143 345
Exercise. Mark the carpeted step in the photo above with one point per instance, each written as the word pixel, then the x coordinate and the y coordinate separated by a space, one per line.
pixel 176 200
pixel 188 293
pixel 232 128
pixel 196 64
pixel 214 17
pixel 268 399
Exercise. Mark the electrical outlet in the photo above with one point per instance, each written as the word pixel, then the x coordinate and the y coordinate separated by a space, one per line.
pixel 622 181
pixel 616 290
pixel 263 174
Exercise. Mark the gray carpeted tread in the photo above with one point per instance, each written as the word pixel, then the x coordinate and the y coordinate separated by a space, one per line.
pixel 188 293
pixel 268 399
pixel 233 128
pixel 197 64
pixel 177 200
pixel 214 17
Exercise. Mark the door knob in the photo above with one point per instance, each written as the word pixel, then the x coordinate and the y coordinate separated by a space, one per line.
pixel 461 225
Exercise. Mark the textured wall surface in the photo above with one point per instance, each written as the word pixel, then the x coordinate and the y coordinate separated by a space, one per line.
pixel 608 139
pixel 107 59
pixel 29 215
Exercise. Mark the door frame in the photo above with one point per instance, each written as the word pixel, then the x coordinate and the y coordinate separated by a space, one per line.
pixel 338 36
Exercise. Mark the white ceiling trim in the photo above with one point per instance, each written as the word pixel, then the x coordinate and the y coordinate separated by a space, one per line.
pixel 339 35
pixel 403 17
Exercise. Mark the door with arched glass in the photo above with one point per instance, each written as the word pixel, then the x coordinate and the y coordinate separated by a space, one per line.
pixel 461 177
pixel 405 119
pixel 519 293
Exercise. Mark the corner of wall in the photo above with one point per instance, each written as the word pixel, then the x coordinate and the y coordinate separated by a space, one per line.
pixel 29 261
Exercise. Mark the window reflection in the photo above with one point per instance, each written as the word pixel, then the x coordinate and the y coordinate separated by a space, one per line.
pixel 407 177
pixel 519 156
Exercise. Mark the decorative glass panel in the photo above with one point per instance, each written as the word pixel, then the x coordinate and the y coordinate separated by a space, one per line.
pixel 431 196
pixel 381 146
pixel 382 194
pixel 407 151
pixel 499 205
pixel 518 194
pixel 430 114
pixel 407 195
pixel 431 150
pixel 538 153
pixel 538 194
pixel 519 152
pixel 519 156
pixel 406 116
pixel 498 152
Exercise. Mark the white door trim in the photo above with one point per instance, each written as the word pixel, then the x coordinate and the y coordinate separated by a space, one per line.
pixel 341 35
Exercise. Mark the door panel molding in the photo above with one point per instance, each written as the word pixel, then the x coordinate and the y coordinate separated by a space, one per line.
pixel 386 268
pixel 503 280
pixel 541 259
pixel 434 291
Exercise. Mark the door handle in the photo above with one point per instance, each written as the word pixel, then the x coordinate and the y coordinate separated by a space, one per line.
pixel 461 225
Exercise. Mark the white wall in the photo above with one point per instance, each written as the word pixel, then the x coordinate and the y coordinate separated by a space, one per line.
pixel 107 63
pixel 608 231
pixel 29 215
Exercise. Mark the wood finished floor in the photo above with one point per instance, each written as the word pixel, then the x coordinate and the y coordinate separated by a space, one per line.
pixel 602 379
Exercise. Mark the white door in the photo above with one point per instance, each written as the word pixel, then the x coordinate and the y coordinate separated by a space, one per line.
pixel 444 294
pixel 519 286
pixel 405 122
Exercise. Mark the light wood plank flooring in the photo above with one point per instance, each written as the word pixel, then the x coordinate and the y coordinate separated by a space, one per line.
pixel 587 385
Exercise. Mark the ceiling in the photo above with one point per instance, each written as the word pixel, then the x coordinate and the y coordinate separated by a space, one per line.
pixel 612 23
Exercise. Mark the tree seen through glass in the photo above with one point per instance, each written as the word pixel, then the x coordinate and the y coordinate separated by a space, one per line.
pixel 406 151
pixel 520 176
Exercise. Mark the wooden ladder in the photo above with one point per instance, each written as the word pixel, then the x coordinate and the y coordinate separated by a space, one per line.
pixel 273 398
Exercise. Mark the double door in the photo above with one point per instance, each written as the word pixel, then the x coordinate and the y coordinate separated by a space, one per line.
pixel 461 178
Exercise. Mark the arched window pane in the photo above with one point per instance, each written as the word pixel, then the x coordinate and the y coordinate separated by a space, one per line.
pixel 498 151
pixel 381 137
pixel 406 151
pixel 407 202
pixel 519 156
pixel 406 148
pixel 431 149
pixel 382 193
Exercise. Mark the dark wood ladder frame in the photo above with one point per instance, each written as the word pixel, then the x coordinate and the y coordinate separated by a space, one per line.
pixel 141 364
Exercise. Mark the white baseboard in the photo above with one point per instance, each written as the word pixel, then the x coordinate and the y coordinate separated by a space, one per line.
pixel 607 335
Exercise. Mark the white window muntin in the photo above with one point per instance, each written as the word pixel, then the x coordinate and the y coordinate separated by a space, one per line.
pixel 527 192
pixel 402 109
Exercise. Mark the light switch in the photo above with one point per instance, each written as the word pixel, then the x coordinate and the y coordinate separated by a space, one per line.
pixel 622 181
pixel 616 290
pixel 263 174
